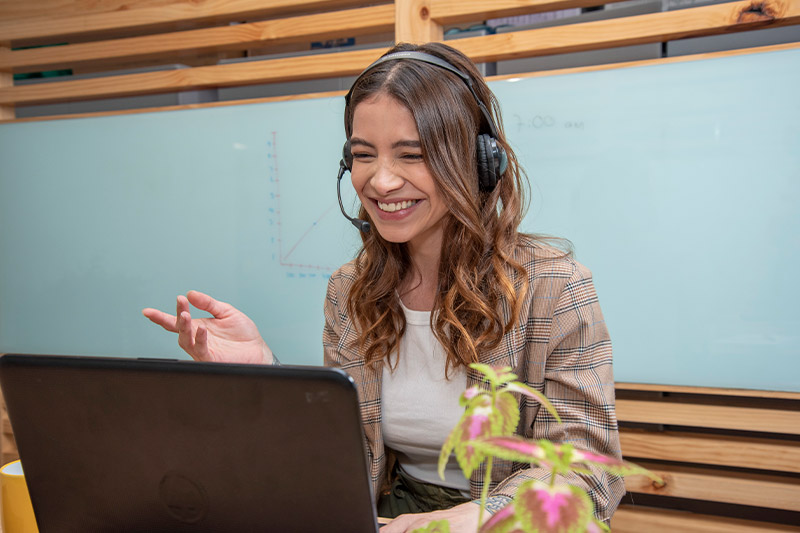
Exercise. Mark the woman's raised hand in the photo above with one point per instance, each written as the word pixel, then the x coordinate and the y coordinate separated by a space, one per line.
pixel 228 337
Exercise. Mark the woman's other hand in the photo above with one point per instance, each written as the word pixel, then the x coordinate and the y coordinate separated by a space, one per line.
pixel 462 518
pixel 229 336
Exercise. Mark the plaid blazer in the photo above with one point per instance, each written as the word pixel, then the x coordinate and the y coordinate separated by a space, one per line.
pixel 560 346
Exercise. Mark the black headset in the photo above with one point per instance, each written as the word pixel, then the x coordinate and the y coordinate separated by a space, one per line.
pixel 491 157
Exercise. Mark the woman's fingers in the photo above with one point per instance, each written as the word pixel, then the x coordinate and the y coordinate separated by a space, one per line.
pixel 185 336
pixel 201 344
pixel 192 334
pixel 204 302
pixel 165 320
pixel 182 305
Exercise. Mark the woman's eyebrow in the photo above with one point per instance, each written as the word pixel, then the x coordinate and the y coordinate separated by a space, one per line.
pixel 409 144
pixel 399 144
pixel 359 140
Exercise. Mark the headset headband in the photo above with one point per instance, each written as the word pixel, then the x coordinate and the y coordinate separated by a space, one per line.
pixel 433 60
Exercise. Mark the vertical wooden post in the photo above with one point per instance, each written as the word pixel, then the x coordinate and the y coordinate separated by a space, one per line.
pixel 6 80
pixel 413 22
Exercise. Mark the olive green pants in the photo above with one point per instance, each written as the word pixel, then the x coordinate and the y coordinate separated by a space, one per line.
pixel 410 496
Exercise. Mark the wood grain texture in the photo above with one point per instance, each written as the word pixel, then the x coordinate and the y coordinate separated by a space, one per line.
pixel 300 29
pixel 634 519
pixel 628 31
pixel 722 450
pixel 572 70
pixel 54 27
pixel 761 490
pixel 413 22
pixel 709 416
pixel 747 393
pixel 457 11
pixel 6 80
pixel 17 9
pixel 308 67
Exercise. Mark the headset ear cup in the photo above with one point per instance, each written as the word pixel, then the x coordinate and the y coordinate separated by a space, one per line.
pixel 347 155
pixel 487 176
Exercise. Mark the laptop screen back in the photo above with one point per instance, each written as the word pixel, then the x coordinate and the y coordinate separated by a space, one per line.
pixel 146 445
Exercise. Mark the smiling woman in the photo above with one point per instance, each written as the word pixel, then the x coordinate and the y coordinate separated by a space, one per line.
pixel 443 279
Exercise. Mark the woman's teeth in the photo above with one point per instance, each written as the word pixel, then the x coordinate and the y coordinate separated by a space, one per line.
pixel 391 208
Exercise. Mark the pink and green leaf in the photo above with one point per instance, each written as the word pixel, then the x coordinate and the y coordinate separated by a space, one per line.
pixel 469 394
pixel 608 463
pixel 521 388
pixel 511 448
pixel 503 521
pixel 475 423
pixel 541 508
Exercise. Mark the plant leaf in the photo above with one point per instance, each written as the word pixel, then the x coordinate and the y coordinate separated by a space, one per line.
pixel 504 375
pixel 506 414
pixel 488 372
pixel 447 448
pixel 541 508
pixel 610 464
pixel 521 388
pixel 475 423
pixel 512 448
pixel 597 527
pixel 469 394
pixel 503 521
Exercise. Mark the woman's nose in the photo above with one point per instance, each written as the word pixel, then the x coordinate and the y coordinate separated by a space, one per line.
pixel 386 179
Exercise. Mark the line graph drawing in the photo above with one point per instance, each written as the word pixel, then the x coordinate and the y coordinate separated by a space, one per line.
pixel 302 255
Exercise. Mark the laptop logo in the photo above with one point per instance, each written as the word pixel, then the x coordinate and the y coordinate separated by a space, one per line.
pixel 184 499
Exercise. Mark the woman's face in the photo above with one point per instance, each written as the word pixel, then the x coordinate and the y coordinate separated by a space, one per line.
pixel 390 176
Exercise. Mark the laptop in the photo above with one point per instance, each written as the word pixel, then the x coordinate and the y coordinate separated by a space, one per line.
pixel 115 444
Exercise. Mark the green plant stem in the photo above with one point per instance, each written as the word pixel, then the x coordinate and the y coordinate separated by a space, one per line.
pixel 552 478
pixel 487 480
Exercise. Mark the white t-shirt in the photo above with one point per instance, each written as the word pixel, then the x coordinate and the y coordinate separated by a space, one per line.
pixel 419 406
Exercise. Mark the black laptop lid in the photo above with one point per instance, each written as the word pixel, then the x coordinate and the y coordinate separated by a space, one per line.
pixel 112 444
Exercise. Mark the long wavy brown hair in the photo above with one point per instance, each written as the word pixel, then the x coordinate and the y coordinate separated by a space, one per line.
pixel 478 296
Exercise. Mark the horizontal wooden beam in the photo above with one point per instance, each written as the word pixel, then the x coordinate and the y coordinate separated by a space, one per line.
pixel 721 450
pixel 312 66
pixel 760 490
pixel 636 519
pixel 300 29
pixel 709 416
pixel 6 81
pixel 456 11
pixel 179 15
pixel 628 31
pixel 712 391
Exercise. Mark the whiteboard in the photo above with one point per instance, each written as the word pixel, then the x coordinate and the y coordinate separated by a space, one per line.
pixel 677 183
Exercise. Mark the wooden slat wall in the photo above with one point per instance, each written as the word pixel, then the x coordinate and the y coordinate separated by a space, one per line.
pixel 298 29
pixel 720 452
pixel 641 520
pixel 107 36
pixel 641 29
pixel 86 20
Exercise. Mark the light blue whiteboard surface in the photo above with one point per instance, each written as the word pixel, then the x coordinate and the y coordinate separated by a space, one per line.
pixel 677 183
